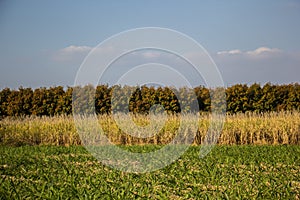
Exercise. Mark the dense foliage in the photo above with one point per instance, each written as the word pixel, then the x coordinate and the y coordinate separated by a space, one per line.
pixel 57 100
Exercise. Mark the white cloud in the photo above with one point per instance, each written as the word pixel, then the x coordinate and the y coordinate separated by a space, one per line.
pixel 151 54
pixel 75 49
pixel 260 65
pixel 148 54
pixel 263 50
pixel 235 51
pixel 71 53
pixel 259 52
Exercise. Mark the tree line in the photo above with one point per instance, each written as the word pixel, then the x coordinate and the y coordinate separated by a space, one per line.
pixel 57 100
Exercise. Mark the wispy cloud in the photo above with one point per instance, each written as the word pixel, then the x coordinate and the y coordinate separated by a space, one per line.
pixel 261 51
pixel 71 53
pixel 151 54
pixel 263 64
pixel 75 49
pixel 231 52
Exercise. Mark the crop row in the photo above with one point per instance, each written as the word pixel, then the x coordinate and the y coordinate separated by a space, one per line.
pixel 129 129
pixel 228 172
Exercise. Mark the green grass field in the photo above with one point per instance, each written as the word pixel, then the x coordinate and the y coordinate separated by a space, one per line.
pixel 227 172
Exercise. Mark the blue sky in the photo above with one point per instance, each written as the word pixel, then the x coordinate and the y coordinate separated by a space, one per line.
pixel 43 43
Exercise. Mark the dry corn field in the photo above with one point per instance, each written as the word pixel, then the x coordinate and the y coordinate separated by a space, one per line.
pixel 250 128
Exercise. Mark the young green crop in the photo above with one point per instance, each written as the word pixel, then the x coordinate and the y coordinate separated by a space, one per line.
pixel 228 172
